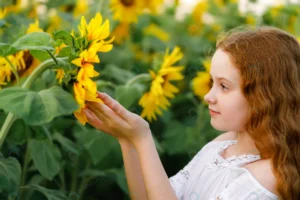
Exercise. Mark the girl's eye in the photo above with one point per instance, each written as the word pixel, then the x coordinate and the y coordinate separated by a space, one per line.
pixel 223 86
pixel 210 82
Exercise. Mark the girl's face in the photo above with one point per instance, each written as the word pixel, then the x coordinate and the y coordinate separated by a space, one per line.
pixel 225 96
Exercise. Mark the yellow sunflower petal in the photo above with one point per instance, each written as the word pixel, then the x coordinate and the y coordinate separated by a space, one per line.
pixel 80 115
pixel 79 93
pixel 92 97
pixel 201 84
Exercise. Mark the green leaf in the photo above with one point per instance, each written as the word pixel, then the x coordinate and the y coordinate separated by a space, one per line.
pixel 46 157
pixel 129 94
pixel 40 55
pixel 98 144
pixel 50 194
pixel 2 118
pixel 121 180
pixel 40 133
pixel 34 180
pixel 64 52
pixel 175 138
pixel 65 36
pixel 6 49
pixel 39 84
pixel 65 64
pixel 66 143
pixel 34 41
pixel 116 73
pixel 18 133
pixel 97 172
pixel 10 175
pixel 37 108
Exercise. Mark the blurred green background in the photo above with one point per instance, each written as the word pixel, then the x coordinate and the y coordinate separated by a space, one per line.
pixel 66 160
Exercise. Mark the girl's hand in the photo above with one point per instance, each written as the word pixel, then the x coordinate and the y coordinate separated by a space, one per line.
pixel 112 118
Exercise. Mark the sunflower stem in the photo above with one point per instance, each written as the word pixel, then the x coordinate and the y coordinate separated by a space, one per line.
pixel 30 80
pixel 6 126
pixel 13 69
pixel 53 57
pixel 140 77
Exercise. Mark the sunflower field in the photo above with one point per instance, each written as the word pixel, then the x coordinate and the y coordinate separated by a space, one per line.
pixel 55 55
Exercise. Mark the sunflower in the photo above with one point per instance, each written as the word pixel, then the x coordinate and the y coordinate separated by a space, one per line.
pixel 127 11
pixel 291 24
pixel 201 83
pixel 16 60
pixel 275 10
pixel 199 10
pixel 161 89
pixel 3 13
pixel 144 56
pixel 121 32
pixel 251 19
pixel 60 73
pixel 31 62
pixel 80 8
pixel 55 21
pixel 157 32
pixel 34 27
pixel 152 5
pixel 85 88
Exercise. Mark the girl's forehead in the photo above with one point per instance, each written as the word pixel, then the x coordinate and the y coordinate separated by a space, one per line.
pixel 221 66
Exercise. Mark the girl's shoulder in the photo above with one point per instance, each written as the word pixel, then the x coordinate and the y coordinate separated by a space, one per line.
pixel 262 172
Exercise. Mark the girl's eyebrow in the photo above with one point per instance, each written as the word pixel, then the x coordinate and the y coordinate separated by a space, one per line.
pixel 222 78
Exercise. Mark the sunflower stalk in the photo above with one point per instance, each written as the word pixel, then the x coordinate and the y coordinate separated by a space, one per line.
pixel 13 69
pixel 140 77
pixel 53 57
pixel 30 80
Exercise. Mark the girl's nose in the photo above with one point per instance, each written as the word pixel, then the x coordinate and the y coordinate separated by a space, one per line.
pixel 210 97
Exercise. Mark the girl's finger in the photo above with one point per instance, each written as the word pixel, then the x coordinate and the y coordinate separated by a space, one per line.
pixel 114 105
pixel 100 110
pixel 109 117
pixel 93 119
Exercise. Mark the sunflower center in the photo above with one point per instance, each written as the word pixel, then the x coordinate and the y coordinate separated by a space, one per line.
pixel 127 2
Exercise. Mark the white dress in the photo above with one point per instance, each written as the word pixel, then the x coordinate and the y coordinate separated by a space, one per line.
pixel 208 176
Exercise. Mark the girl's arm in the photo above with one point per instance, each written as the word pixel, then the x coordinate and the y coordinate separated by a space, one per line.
pixel 114 119
pixel 133 171
pixel 157 184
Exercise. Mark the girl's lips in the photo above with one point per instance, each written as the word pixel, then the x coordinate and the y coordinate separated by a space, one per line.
pixel 213 112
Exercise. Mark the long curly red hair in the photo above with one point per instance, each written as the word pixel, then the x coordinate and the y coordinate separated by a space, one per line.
pixel 268 60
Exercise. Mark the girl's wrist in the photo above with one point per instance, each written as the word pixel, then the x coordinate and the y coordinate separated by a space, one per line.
pixel 142 139
pixel 135 141
pixel 124 142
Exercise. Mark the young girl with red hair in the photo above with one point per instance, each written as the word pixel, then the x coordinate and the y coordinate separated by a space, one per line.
pixel 254 98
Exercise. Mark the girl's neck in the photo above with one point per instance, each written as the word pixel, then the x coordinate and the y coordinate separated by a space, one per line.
pixel 246 144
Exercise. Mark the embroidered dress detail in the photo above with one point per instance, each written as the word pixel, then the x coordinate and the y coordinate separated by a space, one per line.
pixel 209 176
pixel 185 173
pixel 218 160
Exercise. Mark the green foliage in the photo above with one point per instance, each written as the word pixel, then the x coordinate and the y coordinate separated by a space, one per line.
pixel 47 154
pixel 10 176
pixel 34 41
pixel 49 194
pixel 37 108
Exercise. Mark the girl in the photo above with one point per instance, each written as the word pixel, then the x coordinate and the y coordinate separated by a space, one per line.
pixel 255 98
